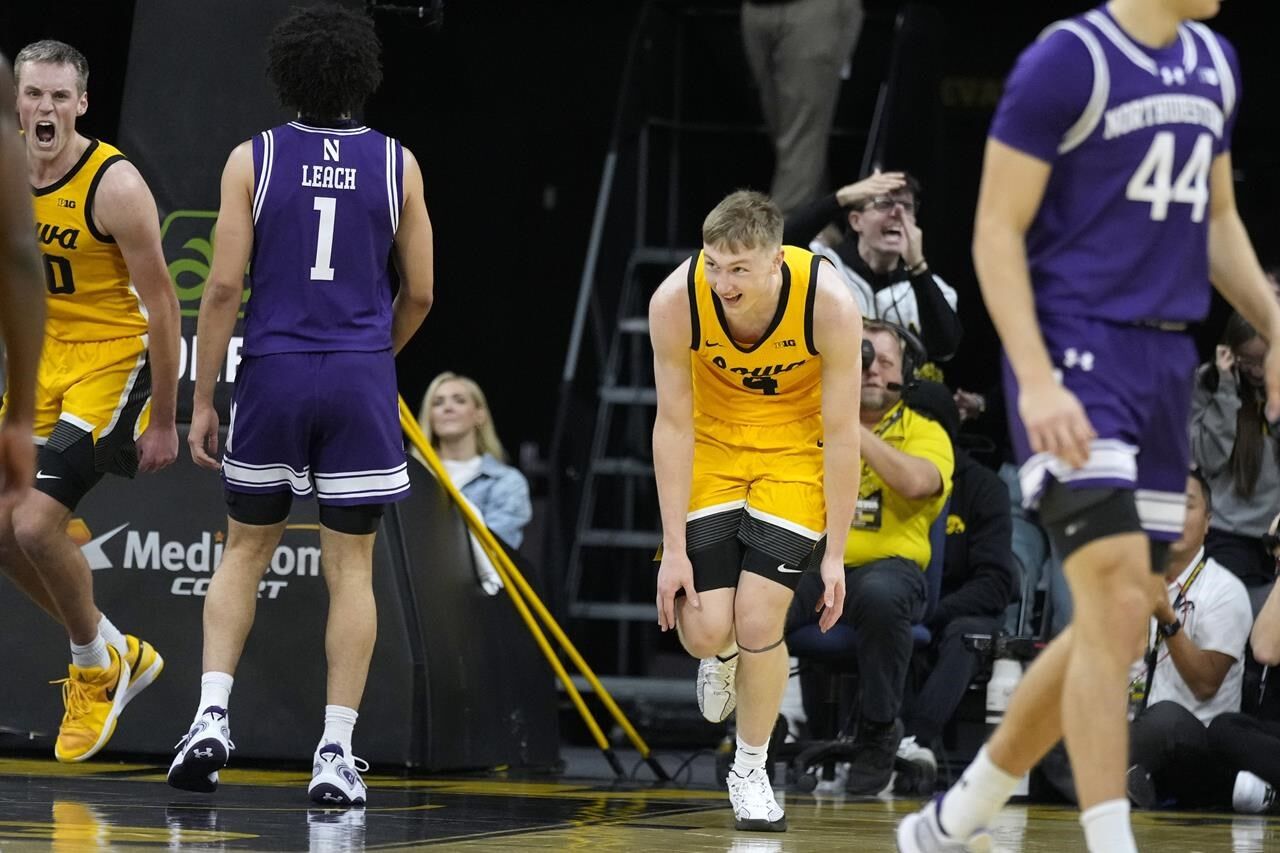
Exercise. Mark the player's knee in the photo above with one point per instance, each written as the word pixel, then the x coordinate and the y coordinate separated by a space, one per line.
pixel 702 637
pixel 757 629
pixel 32 527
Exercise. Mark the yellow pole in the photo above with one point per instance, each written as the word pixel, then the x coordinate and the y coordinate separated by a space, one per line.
pixel 517 586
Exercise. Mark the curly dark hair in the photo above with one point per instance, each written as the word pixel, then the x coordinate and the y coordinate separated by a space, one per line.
pixel 323 60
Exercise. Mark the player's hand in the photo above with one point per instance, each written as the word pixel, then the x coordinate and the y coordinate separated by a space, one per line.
pixel 1056 422
pixel 17 463
pixel 831 605
pixel 1224 358
pixel 1271 378
pixel 203 437
pixel 913 253
pixel 879 183
pixel 675 574
pixel 157 447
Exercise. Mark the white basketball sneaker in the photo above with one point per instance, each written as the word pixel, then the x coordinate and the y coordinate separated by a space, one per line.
pixel 920 832
pixel 335 781
pixel 754 808
pixel 717 690
pixel 202 752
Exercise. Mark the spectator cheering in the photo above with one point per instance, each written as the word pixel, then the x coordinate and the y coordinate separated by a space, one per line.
pixel 885 265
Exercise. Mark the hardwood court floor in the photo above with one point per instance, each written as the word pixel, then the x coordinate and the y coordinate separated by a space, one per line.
pixel 127 807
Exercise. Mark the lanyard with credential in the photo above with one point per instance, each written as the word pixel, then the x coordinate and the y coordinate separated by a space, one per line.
pixel 1153 654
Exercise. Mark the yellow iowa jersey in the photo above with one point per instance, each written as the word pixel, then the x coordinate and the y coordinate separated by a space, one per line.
pixel 91 297
pixel 777 379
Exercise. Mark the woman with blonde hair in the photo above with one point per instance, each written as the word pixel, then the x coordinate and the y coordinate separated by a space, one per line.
pixel 455 418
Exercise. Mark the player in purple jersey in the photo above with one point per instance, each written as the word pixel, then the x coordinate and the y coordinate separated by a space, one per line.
pixel 320 205
pixel 1106 208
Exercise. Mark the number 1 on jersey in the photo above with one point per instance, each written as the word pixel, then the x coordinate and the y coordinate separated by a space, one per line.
pixel 321 271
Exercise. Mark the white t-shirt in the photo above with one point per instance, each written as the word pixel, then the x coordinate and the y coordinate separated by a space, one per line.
pixel 1217 618
pixel 463 471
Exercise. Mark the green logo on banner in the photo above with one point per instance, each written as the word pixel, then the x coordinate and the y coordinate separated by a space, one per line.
pixel 187 237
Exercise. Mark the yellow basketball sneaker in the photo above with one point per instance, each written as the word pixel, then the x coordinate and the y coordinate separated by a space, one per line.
pixel 93 698
pixel 145 665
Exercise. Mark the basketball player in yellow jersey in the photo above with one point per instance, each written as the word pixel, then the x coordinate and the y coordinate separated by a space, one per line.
pixel 755 447
pixel 111 341
pixel 21 307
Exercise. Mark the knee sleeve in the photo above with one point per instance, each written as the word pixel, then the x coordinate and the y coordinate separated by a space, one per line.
pixel 66 471
pixel 1076 517
pixel 358 520
pixel 260 509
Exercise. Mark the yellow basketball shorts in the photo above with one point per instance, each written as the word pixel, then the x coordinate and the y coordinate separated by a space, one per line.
pixel 760 485
pixel 91 403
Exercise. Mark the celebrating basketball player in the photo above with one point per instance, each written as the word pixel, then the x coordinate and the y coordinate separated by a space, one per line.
pixel 108 378
pixel 757 353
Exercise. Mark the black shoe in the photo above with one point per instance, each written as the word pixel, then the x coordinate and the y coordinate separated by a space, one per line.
pixel 1140 787
pixel 872 767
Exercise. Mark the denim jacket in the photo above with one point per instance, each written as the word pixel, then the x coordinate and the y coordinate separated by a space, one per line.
pixel 501 493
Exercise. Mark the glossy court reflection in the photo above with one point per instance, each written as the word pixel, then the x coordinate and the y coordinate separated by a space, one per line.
pixel 126 807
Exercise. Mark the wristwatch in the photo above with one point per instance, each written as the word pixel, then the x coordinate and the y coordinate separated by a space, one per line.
pixel 1172 628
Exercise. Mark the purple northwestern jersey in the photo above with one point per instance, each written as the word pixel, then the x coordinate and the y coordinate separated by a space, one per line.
pixel 1130 132
pixel 326 205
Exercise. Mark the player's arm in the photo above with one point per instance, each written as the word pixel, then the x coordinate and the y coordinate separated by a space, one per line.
pixel 1012 187
pixel 670 330
pixel 913 477
pixel 22 295
pixel 223 294
pixel 414 259
pixel 126 210
pixel 1234 269
pixel 837 335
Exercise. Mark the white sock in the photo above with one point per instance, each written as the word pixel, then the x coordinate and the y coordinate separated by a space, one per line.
pixel 92 655
pixel 749 758
pixel 339 720
pixel 112 635
pixel 976 799
pixel 1107 829
pixel 215 691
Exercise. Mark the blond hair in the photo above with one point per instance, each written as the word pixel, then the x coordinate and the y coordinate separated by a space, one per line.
pixel 486 436
pixel 744 220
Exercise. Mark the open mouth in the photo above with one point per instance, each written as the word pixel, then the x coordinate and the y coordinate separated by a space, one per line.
pixel 892 232
pixel 44 132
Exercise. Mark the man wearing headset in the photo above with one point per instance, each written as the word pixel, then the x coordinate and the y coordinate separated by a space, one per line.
pixel 907 462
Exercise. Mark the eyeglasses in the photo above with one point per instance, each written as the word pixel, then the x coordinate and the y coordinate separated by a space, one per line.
pixel 884 203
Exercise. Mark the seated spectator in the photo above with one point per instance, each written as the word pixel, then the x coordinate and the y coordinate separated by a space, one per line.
pixel 1239 454
pixel 978 582
pixel 906 479
pixel 1192 672
pixel 1249 745
pixel 455 418
pixel 885 265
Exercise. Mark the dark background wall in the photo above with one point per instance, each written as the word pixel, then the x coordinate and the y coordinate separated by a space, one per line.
pixel 509 107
